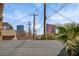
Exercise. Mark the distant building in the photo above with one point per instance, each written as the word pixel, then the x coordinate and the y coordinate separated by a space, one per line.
pixel 23 35
pixel 20 28
pixel 8 33
pixel 50 28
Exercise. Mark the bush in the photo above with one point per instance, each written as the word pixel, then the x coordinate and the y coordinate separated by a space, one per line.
pixel 47 36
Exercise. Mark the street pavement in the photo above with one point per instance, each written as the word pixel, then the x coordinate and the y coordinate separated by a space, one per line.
pixel 31 48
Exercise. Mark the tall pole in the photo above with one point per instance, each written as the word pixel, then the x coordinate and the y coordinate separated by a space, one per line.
pixel 34 26
pixel 29 30
pixel 44 18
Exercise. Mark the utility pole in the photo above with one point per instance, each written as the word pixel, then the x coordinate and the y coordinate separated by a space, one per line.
pixel 44 18
pixel 29 30
pixel 34 21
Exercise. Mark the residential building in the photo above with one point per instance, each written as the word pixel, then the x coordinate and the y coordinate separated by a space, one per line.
pixel 8 33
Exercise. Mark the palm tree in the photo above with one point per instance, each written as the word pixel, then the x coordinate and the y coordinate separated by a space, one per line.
pixel 69 34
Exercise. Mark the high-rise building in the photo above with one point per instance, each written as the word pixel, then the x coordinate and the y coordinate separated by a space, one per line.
pixel 20 33
pixel 50 28
pixel 20 28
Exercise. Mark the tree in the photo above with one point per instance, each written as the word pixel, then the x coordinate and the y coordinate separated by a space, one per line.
pixel 7 26
pixel 69 34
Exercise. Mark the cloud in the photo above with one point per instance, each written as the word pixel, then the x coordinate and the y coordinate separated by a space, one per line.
pixel 16 16
pixel 21 17
pixel 40 31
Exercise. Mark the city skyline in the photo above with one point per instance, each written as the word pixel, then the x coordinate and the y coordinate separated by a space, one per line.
pixel 21 14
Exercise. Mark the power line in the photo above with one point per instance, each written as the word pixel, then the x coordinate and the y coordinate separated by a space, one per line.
pixel 57 11
pixel 61 15
pixel 35 9
pixel 30 12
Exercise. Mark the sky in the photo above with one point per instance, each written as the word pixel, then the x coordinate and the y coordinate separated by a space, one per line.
pixel 22 13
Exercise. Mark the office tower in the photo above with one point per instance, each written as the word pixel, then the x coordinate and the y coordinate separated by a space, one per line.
pixel 20 28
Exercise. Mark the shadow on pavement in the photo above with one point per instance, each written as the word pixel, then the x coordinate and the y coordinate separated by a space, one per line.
pixel 63 52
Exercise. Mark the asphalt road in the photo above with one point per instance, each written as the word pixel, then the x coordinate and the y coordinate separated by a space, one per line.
pixel 31 48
